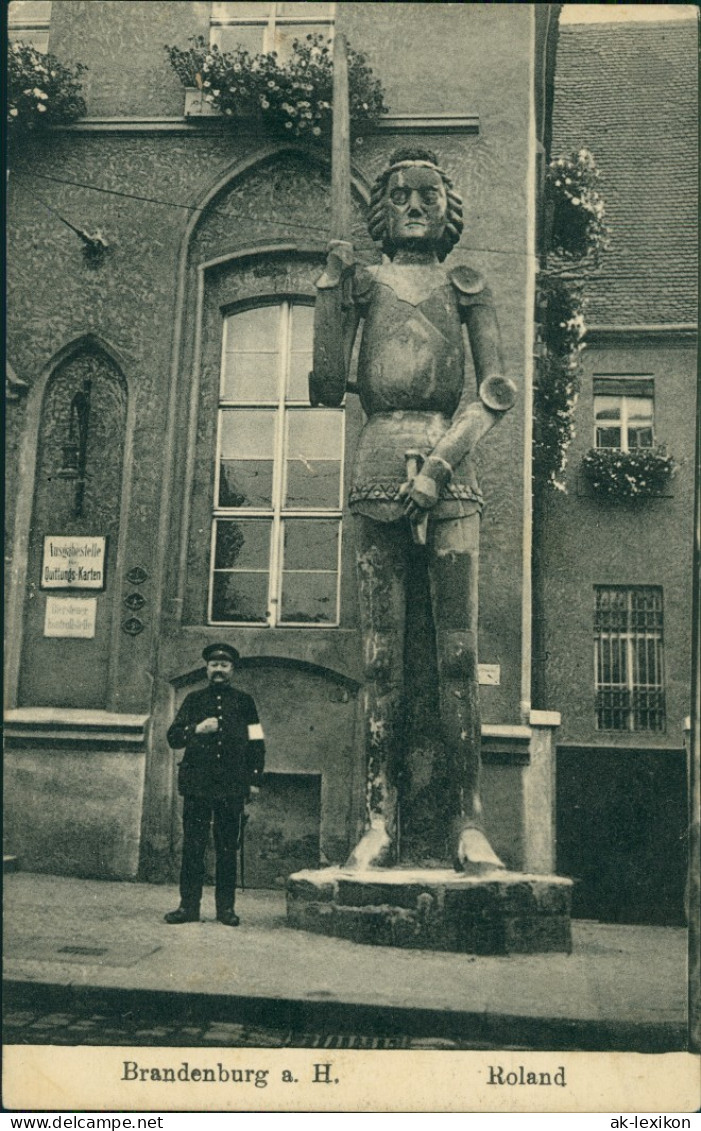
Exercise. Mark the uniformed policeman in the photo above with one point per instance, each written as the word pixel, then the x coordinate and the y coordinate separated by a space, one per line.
pixel 222 765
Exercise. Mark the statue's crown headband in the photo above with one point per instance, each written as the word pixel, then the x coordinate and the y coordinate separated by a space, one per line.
pixel 413 164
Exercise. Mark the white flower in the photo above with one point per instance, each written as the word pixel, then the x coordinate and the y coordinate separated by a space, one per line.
pixel 264 103
pixel 14 112
pixel 41 107
pixel 39 93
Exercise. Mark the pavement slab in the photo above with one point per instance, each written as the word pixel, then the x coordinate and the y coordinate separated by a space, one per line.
pixel 625 986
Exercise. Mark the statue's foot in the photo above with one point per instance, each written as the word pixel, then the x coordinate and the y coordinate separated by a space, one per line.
pixel 373 850
pixel 474 853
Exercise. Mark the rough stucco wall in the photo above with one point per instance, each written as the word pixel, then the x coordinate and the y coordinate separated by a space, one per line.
pixel 74 812
pixel 591 542
pixel 129 73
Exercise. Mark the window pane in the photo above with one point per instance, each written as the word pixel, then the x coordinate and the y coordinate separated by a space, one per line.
pixel 608 437
pixel 315 485
pixel 240 597
pixel 310 544
pixel 308 597
pixel 241 10
pixel 243 545
pixel 300 8
pixel 285 36
pixel 302 334
pixel 256 330
pixel 639 422
pixel 29 11
pixel 298 378
pixel 251 377
pixel 229 38
pixel 246 483
pixel 36 38
pixel 313 463
pixel 607 408
pixel 314 433
pixel 640 438
pixel 301 339
pixel 247 433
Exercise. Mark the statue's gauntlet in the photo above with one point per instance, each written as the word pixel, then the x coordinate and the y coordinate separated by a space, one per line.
pixel 426 488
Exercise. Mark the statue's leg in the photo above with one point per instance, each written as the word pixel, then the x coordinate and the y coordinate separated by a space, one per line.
pixel 382 550
pixel 453 576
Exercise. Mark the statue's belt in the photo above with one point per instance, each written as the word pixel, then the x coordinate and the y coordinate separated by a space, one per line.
pixel 378 491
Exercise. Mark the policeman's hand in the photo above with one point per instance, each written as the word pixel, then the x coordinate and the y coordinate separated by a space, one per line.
pixel 207 726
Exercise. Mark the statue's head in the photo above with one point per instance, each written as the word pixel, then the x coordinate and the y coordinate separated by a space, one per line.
pixel 414 205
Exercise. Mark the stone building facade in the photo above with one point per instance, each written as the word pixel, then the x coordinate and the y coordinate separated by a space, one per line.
pixel 216 233
pixel 618 575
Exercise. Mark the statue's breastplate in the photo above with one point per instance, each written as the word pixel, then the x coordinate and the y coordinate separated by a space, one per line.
pixel 411 356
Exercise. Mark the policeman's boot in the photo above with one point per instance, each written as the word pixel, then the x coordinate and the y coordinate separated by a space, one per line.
pixel 183 915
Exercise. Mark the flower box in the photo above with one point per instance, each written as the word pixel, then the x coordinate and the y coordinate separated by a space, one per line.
pixel 291 98
pixel 624 476
pixel 196 105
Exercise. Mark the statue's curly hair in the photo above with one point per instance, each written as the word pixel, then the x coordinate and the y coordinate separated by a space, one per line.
pixel 377 221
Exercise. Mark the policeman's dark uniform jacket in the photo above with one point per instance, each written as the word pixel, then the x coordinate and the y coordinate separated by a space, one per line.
pixel 214 778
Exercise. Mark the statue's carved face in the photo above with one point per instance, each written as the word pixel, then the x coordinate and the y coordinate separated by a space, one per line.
pixel 417 206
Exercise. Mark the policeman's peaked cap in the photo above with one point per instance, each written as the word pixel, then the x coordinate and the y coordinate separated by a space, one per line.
pixel 220 652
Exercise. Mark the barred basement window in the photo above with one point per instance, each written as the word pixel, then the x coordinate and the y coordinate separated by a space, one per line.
pixel 623 412
pixel 28 22
pixel 268 26
pixel 628 659
pixel 276 531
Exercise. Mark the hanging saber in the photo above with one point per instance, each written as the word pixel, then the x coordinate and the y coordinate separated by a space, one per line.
pixel 242 856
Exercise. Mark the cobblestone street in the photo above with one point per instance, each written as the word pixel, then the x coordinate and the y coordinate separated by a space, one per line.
pixel 33 1027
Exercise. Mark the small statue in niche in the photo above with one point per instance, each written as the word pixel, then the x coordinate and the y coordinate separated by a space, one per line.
pixel 414 488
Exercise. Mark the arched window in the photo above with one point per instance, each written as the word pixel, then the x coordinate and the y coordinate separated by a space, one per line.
pixel 276 529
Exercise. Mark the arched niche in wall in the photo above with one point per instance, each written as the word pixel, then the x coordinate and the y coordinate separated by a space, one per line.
pixel 253 261
pixel 70 581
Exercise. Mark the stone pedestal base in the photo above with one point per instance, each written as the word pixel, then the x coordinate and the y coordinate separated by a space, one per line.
pixel 435 909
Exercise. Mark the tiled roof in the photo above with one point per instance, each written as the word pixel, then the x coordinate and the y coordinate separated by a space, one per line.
pixel 628 93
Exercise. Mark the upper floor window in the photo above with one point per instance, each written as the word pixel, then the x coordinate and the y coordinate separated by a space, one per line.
pixel 624 412
pixel 28 22
pixel 276 531
pixel 268 26
pixel 628 658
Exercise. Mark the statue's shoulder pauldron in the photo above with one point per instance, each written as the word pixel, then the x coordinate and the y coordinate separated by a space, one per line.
pixel 470 286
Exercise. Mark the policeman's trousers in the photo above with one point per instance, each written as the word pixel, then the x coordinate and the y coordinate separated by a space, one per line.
pixel 198 813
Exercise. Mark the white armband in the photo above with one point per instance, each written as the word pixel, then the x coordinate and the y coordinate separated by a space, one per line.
pixel 255 732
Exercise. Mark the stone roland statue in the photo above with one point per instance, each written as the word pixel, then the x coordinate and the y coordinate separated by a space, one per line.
pixel 414 489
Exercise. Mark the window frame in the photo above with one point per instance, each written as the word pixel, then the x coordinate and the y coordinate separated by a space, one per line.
pixel 269 24
pixel 626 639
pixel 624 389
pixel 277 513
pixel 17 25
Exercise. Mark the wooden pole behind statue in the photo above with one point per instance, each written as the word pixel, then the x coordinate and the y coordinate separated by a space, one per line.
pixel 340 144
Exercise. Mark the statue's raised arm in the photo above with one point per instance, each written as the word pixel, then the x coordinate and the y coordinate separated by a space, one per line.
pixel 336 318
